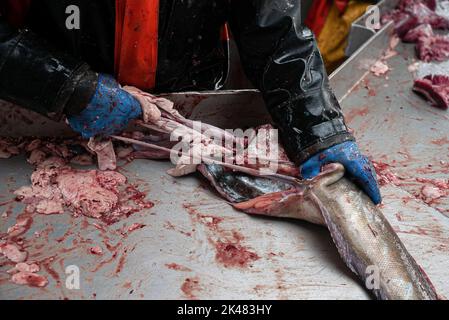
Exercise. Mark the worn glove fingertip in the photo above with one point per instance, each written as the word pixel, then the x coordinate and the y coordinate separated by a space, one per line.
pixel 372 189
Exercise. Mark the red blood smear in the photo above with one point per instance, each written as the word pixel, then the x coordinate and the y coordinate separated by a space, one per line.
pixel 418 231
pixel 100 227
pixel 171 226
pixel 104 262
pixel 111 247
pixel 177 267
pixel 441 141
pixel 7 202
pixel 24 222
pixel 229 251
pixel 70 249
pixel 65 235
pixel 432 191
pixel 190 286
pixel 440 184
pixel 362 112
pixel 133 227
pixel 138 197
pixel 50 270
pixel 190 209
pixel 84 224
pixel 234 255
pixel 210 221
pixel 121 263
pixel 131 193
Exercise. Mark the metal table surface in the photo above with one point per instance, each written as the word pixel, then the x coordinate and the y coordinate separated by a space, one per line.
pixel 175 254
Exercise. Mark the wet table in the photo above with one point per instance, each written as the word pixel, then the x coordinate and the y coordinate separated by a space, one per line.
pixel 179 251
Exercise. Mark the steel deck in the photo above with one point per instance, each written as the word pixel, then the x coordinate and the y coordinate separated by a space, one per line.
pixel 174 255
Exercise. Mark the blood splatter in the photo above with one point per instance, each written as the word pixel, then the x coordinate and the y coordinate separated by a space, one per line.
pixel 190 287
pixel 234 255
pixel 177 267
pixel 227 243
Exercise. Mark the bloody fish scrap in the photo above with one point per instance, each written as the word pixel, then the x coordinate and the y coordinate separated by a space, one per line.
pixel 56 187
pixel 434 88
pixel 414 22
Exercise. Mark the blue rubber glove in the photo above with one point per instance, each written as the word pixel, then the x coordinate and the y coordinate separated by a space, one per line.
pixel 357 166
pixel 108 111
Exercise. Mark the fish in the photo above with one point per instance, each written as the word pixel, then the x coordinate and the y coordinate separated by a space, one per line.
pixel 364 238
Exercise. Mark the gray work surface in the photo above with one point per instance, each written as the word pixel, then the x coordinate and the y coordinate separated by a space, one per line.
pixel 174 255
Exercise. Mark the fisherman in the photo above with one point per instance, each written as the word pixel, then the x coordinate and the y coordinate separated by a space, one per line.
pixel 54 64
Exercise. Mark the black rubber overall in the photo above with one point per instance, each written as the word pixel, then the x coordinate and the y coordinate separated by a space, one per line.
pixel 52 70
